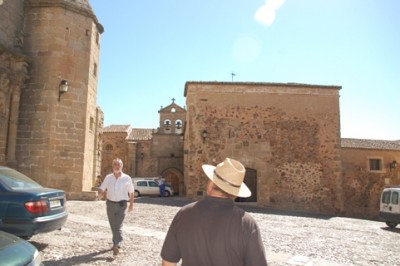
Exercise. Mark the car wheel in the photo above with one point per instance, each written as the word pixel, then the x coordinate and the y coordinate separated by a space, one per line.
pixel 391 224
pixel 136 194
pixel 166 193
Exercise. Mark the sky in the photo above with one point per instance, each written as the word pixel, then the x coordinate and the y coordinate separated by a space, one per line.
pixel 151 48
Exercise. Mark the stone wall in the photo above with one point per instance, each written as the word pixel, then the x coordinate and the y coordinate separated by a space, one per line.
pixel 11 24
pixel 117 140
pixel 56 140
pixel 362 187
pixel 288 133
pixel 13 74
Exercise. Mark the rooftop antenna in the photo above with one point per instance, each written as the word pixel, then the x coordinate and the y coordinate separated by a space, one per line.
pixel 233 74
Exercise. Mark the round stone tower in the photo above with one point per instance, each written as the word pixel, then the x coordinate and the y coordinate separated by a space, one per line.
pixel 57 137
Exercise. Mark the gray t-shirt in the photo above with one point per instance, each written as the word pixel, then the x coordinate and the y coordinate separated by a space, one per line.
pixel 214 231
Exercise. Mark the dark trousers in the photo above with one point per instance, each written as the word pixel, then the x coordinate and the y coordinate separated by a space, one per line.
pixel 162 190
pixel 116 214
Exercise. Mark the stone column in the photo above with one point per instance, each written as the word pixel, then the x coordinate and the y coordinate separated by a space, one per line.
pixel 20 76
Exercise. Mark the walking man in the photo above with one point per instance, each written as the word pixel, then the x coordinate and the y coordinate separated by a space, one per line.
pixel 161 184
pixel 214 231
pixel 119 190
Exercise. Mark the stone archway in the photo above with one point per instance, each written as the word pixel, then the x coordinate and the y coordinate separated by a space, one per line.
pixel 175 178
pixel 250 179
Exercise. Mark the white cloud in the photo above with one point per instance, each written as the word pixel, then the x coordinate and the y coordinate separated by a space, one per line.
pixel 266 13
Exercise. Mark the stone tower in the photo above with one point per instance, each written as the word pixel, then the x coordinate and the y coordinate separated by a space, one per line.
pixel 58 139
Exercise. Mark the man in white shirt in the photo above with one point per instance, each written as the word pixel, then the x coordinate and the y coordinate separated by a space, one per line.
pixel 119 188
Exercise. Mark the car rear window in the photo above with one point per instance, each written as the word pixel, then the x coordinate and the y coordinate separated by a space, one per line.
pixel 16 181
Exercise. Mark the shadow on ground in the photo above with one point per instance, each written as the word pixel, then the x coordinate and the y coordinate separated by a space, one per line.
pixel 82 259
pixel 182 201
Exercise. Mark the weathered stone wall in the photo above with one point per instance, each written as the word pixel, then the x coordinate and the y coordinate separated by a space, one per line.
pixel 11 24
pixel 13 73
pixel 288 133
pixel 56 135
pixel 119 150
pixel 362 188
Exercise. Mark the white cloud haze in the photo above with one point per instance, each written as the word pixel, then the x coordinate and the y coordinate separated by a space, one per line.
pixel 266 13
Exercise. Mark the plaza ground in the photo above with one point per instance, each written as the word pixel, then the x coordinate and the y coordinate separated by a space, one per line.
pixel 289 238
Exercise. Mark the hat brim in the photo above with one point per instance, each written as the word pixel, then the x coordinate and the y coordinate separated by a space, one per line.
pixel 243 191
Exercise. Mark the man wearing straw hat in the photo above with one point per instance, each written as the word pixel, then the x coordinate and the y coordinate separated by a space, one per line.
pixel 214 231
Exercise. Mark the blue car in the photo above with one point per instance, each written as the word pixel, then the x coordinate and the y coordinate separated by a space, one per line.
pixel 27 208
pixel 15 251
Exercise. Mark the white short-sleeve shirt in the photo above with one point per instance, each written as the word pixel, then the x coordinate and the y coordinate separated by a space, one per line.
pixel 117 188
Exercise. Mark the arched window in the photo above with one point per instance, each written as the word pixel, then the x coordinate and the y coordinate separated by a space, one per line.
pixel 167 124
pixel 109 147
pixel 178 124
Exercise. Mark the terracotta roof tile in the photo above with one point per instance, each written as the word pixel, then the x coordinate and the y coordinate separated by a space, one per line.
pixel 371 144
pixel 141 134
pixel 117 129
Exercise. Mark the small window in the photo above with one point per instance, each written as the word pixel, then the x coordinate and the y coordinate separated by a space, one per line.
pixel 153 184
pixel 95 69
pixel 97 38
pixel 178 124
pixel 395 198
pixel 375 165
pixel 109 147
pixel 141 184
pixel 91 126
pixel 386 197
pixel 173 110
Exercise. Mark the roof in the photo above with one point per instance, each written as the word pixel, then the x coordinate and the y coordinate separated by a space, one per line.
pixel 289 84
pixel 141 134
pixel 371 144
pixel 117 129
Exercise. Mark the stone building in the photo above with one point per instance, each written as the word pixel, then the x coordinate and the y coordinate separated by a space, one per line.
pixel 368 166
pixel 49 56
pixel 288 138
pixel 149 152
pixel 286 135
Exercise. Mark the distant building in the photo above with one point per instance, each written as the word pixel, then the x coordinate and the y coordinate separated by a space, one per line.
pixel 286 135
pixel 149 152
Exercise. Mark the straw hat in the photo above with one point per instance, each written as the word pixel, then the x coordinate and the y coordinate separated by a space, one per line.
pixel 228 176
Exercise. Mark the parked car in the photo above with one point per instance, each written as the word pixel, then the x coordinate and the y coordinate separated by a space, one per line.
pixel 15 251
pixel 27 208
pixel 390 206
pixel 149 186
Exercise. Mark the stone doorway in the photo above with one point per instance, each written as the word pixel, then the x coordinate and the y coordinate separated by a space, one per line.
pixel 250 179
pixel 174 177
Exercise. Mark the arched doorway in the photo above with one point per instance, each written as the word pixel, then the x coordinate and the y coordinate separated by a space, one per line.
pixel 174 177
pixel 250 179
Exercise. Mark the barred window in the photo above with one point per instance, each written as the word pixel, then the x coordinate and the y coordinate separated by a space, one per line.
pixel 375 164
pixel 109 147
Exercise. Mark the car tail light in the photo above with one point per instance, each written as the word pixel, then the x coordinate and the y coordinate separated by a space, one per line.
pixel 37 206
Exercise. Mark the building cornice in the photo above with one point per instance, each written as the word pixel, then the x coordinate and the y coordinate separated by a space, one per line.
pixel 88 12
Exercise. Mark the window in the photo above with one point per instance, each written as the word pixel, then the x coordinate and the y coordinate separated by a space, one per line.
pixel 141 184
pixel 395 198
pixel 375 164
pixel 109 147
pixel 153 184
pixel 178 124
pixel 173 110
pixel 386 197
pixel 95 69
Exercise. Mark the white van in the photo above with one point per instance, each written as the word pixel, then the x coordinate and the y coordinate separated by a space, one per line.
pixel 390 206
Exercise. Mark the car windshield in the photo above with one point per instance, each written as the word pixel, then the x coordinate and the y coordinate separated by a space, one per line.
pixel 16 181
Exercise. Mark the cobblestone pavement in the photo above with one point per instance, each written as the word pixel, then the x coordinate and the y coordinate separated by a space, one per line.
pixel 289 238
